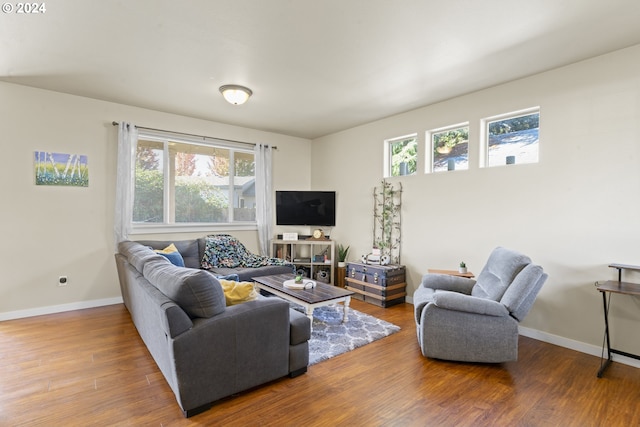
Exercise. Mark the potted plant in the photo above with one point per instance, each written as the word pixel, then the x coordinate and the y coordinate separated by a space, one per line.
pixel 463 268
pixel 342 255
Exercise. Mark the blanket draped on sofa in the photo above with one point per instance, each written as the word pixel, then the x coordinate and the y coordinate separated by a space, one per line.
pixel 223 250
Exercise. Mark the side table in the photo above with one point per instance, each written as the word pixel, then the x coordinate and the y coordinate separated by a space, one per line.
pixel 618 287
pixel 468 274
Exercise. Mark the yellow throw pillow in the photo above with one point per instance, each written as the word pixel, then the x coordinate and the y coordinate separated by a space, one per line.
pixel 238 292
pixel 169 249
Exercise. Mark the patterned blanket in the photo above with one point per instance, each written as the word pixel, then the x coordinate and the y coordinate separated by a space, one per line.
pixel 223 250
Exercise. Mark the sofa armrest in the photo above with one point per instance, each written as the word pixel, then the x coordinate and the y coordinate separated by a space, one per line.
pixel 245 346
pixel 448 282
pixel 175 321
pixel 300 327
pixel 469 304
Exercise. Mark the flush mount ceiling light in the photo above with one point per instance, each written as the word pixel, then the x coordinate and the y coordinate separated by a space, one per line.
pixel 235 94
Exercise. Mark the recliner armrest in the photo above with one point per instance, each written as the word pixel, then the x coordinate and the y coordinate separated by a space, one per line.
pixel 421 297
pixel 469 304
pixel 448 283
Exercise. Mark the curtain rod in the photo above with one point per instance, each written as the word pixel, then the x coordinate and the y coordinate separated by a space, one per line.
pixel 114 123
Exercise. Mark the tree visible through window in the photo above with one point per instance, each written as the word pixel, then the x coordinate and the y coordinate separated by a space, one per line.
pixel 182 182
pixel 403 156
pixel 450 148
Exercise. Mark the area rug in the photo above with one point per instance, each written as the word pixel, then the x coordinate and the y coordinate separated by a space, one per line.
pixel 330 337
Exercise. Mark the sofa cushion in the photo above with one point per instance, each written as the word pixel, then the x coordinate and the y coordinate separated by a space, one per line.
pixel 137 255
pixel 171 253
pixel 197 292
pixel 247 274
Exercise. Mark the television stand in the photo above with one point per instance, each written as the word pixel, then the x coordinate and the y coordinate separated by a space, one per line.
pixel 313 257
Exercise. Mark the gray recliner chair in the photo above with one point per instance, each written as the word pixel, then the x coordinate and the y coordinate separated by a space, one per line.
pixel 472 320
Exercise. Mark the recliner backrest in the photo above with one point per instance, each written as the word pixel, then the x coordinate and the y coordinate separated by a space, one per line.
pixel 501 269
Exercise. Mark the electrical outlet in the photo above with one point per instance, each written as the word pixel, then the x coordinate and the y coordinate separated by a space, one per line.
pixel 63 281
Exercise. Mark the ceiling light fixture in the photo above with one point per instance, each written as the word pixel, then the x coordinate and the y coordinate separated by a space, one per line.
pixel 235 94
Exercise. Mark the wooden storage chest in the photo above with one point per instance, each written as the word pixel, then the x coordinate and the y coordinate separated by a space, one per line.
pixel 382 285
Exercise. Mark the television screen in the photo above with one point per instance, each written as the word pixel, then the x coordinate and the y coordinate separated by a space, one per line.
pixel 316 208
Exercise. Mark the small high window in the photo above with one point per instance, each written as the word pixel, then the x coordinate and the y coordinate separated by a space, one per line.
pixel 401 156
pixel 449 148
pixel 511 138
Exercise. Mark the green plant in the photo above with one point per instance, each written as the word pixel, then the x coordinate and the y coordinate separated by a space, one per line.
pixel 387 201
pixel 462 264
pixel 342 253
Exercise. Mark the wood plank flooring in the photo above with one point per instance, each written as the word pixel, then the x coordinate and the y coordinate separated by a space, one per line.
pixel 90 368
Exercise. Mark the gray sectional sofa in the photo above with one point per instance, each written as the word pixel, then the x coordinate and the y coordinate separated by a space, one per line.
pixel 206 350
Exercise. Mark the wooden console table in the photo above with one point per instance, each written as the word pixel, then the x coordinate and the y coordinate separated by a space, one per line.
pixel 618 287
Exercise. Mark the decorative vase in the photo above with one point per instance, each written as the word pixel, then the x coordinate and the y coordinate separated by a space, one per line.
pixel 462 270
pixel 342 264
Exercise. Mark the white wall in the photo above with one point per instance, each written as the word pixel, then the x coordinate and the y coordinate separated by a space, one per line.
pixel 52 231
pixel 574 212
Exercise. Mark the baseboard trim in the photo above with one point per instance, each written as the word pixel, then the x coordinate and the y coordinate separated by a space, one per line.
pixel 52 309
pixel 582 347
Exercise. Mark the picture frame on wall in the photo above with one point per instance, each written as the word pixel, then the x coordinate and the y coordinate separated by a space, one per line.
pixel 61 169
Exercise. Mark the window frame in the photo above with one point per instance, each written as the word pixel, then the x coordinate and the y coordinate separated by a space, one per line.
pixel 168 225
pixel 428 144
pixel 388 158
pixel 484 135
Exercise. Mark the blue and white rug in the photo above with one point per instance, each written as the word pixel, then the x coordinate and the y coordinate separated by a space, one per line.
pixel 330 337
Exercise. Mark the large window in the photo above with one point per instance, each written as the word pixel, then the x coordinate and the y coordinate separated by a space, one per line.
pixel 183 182
pixel 449 148
pixel 511 138
pixel 401 156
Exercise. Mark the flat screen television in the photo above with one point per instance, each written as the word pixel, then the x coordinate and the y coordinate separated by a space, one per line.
pixel 316 208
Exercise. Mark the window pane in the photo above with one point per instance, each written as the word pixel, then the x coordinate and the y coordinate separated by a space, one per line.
pixel 201 183
pixel 403 156
pixel 149 182
pixel 451 149
pixel 244 203
pixel 513 140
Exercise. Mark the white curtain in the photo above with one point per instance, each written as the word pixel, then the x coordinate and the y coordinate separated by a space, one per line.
pixel 264 195
pixel 127 138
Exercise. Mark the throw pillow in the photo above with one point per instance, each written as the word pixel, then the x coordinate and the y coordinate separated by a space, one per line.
pixel 238 292
pixel 172 254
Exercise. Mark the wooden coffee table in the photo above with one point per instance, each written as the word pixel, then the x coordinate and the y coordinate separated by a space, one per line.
pixel 321 295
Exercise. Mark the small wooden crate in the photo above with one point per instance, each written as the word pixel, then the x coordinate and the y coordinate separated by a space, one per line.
pixel 381 285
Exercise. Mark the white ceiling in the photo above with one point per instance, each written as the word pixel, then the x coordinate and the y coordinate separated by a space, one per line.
pixel 315 66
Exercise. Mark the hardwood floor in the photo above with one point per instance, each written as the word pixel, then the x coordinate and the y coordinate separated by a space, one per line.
pixel 90 367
